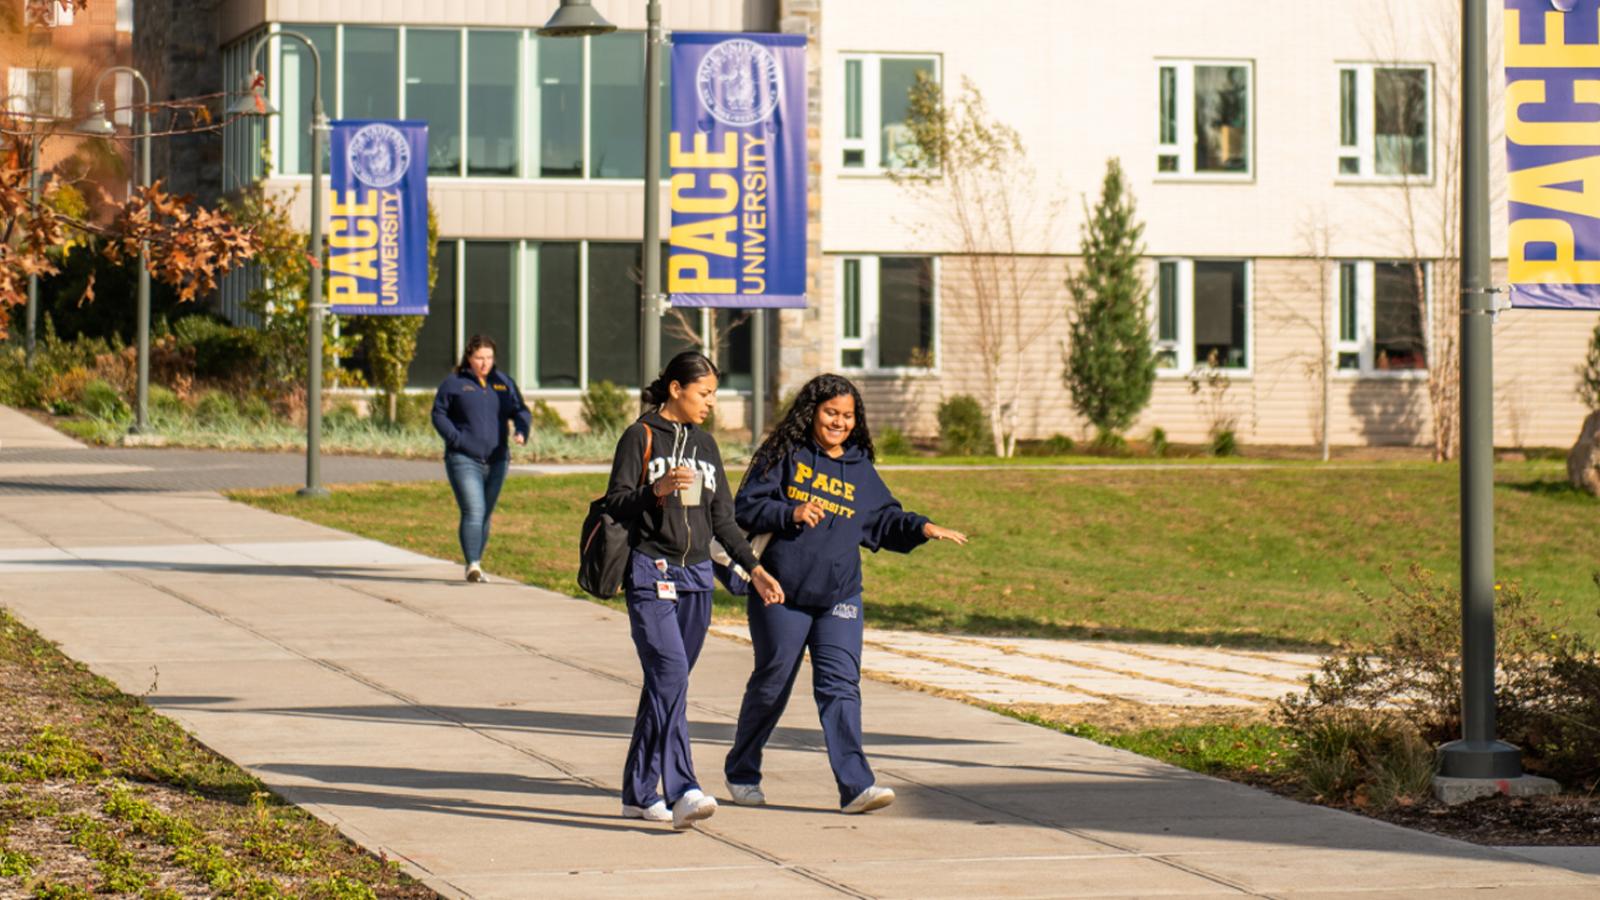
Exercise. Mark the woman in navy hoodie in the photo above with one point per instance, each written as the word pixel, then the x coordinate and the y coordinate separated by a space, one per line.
pixel 669 487
pixel 813 487
pixel 470 412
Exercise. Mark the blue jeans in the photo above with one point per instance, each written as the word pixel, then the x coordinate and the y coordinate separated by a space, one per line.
pixel 477 486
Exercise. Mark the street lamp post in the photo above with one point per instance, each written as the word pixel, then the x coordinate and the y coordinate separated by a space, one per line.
pixel 578 18
pixel 33 195
pixel 254 104
pixel 98 124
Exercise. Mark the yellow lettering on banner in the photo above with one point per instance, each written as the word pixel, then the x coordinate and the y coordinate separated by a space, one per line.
pixel 359 264
pixel 1549 134
pixel 1564 269
pixel 719 181
pixel 690 274
pixel 1533 186
pixel 801 472
pixel 707 236
pixel 701 156
pixel 366 234
pixel 1554 53
pixel 351 206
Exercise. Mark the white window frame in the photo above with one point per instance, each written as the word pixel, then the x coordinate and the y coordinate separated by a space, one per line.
pixel 1184 114
pixel 870 317
pixel 58 16
pixel 1186 362
pixel 1365 344
pixel 1365 150
pixel 870 143
pixel 19 82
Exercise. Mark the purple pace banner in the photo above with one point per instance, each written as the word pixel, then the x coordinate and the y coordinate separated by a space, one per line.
pixel 1552 56
pixel 378 219
pixel 737 155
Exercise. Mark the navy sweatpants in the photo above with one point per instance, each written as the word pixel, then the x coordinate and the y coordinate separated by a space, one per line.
pixel 668 635
pixel 781 633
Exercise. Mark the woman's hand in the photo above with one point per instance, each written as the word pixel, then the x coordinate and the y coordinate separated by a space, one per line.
pixel 939 533
pixel 809 514
pixel 518 437
pixel 768 587
pixel 675 480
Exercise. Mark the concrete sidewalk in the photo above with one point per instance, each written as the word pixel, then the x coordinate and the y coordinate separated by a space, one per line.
pixel 477 732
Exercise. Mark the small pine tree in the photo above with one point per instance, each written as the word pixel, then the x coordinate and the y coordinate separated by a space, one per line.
pixel 1589 374
pixel 1111 366
pixel 392 340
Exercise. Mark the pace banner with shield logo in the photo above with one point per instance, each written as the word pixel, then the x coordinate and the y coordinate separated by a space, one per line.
pixel 737 155
pixel 378 219
pixel 1553 152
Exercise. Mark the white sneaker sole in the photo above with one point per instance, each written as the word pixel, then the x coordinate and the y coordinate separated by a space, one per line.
pixel 642 812
pixel 737 794
pixel 879 802
pixel 475 577
pixel 699 813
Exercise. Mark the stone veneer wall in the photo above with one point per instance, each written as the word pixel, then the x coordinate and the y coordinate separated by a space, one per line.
pixel 799 335
pixel 176 46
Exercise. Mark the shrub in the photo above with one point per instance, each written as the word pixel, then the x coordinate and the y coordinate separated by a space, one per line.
pixel 102 401
pixel 964 428
pixel 546 419
pixel 1224 443
pixel 255 408
pixel 62 394
pixel 607 409
pixel 1364 759
pixel 411 412
pixel 1159 446
pixel 164 402
pixel 892 441
pixel 1548 691
pixel 220 349
pixel 216 408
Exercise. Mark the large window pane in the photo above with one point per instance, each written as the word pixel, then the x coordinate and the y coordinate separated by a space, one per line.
pixel 492 119
pixel 898 78
pixel 560 97
pixel 558 315
pixel 433 94
pixel 489 291
pixel 614 313
pixel 616 106
pixel 296 90
pixel 436 342
pixel 1219 314
pixel 1221 118
pixel 905 312
pixel 371 73
pixel 1401 119
pixel 737 330
pixel 1399 341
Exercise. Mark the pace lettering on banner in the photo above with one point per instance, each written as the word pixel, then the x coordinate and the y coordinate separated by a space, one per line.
pixel 378 219
pixel 738 159
pixel 1553 152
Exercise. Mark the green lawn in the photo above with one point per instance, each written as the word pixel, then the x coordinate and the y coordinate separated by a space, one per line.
pixel 1259 557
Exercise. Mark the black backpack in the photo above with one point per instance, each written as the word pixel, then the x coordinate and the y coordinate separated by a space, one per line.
pixel 603 545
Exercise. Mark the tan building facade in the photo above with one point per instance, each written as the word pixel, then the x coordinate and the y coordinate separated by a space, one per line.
pixel 1291 165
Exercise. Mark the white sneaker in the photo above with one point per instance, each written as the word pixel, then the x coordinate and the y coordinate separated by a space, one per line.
pixel 747 794
pixel 655 812
pixel 475 572
pixel 691 808
pixel 870 799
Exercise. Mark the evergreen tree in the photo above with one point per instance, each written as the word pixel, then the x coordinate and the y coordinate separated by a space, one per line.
pixel 1111 366
pixel 391 341
pixel 1589 374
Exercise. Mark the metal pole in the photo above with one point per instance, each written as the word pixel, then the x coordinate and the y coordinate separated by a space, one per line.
pixel 758 376
pixel 314 307
pixel 651 302
pixel 141 420
pixel 1477 754
pixel 33 209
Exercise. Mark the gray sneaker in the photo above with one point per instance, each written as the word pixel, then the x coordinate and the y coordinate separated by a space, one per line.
pixel 655 812
pixel 872 798
pixel 747 794
pixel 475 573
pixel 691 808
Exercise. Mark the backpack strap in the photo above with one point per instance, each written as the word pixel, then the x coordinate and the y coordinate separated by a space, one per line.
pixel 649 441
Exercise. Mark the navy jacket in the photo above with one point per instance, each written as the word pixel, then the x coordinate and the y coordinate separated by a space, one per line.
pixel 471 415
pixel 821 565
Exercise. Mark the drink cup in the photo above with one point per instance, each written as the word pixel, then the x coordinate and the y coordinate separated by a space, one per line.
pixel 691 495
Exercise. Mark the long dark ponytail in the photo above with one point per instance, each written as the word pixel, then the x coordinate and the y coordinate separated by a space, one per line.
pixel 686 368
pixel 795 429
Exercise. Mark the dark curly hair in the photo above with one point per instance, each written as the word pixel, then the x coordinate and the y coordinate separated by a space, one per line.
pixel 795 428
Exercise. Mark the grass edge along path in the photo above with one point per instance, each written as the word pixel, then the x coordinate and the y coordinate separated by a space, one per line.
pixel 99 793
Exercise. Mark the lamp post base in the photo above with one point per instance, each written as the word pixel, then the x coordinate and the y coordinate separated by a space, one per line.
pixel 142 437
pixel 312 492
pixel 1453 791
pixel 1479 759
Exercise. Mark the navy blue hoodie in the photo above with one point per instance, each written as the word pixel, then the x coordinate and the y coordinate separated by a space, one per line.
pixel 821 565
pixel 471 415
